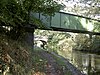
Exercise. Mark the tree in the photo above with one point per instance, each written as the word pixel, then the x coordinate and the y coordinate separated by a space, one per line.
pixel 88 8
pixel 16 14
pixel 15 23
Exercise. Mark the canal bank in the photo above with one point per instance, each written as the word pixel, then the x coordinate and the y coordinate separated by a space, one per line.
pixel 67 67
pixel 71 67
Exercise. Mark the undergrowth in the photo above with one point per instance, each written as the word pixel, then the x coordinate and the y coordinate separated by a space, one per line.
pixel 21 60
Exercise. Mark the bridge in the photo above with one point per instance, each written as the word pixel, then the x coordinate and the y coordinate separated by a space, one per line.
pixel 66 22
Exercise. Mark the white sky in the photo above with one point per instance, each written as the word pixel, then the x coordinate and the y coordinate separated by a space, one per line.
pixel 70 4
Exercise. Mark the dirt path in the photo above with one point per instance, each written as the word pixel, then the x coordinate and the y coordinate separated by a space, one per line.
pixel 54 69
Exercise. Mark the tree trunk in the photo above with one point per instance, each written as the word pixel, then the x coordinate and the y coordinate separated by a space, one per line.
pixel 29 39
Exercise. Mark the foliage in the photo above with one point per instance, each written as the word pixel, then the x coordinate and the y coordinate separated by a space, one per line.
pixel 22 61
pixel 15 15
pixel 97 26
pixel 81 41
pixel 25 61
pixel 56 40
pixel 17 12
pixel 84 43
pixel 96 44
pixel 88 8
pixel 14 55
pixel 62 41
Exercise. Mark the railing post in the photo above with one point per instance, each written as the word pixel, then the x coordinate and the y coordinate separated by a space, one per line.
pixel 33 38
pixel 50 20
pixel 60 20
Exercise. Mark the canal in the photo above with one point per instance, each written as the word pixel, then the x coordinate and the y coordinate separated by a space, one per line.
pixel 62 43
pixel 87 63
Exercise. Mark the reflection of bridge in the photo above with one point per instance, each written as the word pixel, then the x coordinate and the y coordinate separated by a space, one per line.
pixel 69 23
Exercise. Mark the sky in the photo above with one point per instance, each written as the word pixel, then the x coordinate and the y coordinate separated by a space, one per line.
pixel 70 4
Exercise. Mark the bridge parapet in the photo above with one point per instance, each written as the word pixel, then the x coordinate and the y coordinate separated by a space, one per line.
pixel 70 22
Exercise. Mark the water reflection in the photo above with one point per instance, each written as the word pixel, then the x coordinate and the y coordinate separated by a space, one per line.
pixel 89 64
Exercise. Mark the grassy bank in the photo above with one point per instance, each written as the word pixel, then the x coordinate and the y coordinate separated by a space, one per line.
pixel 21 60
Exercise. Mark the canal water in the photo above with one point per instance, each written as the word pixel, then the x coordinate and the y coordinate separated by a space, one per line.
pixel 87 63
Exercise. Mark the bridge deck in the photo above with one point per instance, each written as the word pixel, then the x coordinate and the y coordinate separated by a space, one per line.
pixel 66 22
pixel 69 23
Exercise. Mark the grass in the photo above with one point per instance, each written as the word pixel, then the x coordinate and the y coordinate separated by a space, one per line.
pixel 59 62
pixel 63 65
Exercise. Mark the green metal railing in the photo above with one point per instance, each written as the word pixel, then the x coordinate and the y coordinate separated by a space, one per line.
pixel 69 22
